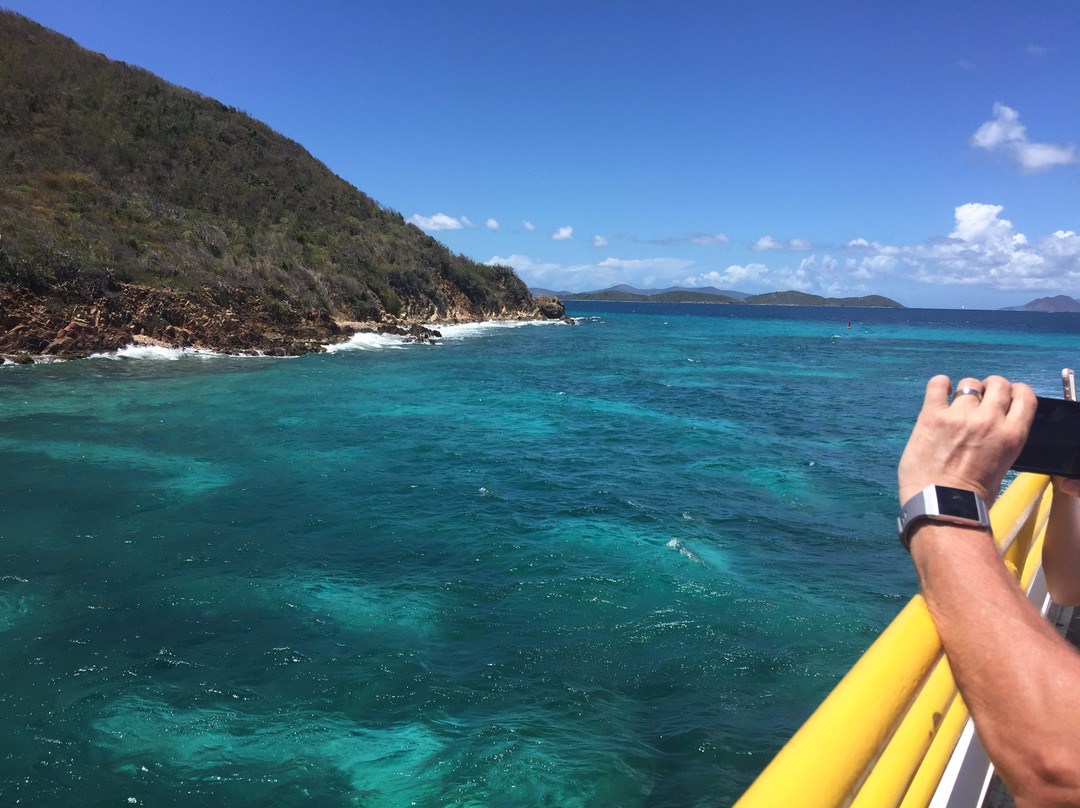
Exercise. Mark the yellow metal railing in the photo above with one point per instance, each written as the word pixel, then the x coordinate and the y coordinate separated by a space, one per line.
pixel 884 735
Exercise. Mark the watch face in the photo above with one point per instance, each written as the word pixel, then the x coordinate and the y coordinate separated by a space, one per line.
pixel 957 502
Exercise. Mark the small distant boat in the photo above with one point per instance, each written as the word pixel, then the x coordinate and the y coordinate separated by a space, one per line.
pixel 895 733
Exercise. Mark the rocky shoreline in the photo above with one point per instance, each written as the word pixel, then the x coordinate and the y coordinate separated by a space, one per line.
pixel 63 324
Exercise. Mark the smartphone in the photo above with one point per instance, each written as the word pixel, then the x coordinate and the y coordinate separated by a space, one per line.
pixel 1053 444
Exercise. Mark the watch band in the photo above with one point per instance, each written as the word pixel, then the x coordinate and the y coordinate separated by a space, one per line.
pixel 942 504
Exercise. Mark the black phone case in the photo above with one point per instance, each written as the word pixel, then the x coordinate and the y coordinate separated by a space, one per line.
pixel 1053 444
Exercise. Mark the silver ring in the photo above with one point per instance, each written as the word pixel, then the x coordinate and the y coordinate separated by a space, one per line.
pixel 967 391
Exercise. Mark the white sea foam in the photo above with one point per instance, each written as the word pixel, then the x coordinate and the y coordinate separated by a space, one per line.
pixel 361 341
pixel 458 331
pixel 675 544
pixel 367 341
pixel 157 352
pixel 38 360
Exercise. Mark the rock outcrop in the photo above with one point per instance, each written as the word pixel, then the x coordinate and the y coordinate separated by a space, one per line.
pixel 227 320
pixel 550 308
pixel 412 333
pixel 232 321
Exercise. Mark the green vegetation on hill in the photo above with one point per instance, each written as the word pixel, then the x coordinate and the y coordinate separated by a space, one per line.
pixel 793 298
pixel 770 299
pixel 659 297
pixel 691 297
pixel 109 174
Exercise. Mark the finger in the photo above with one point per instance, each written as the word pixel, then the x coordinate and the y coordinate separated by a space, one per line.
pixel 1022 405
pixel 937 392
pixel 998 392
pixel 968 388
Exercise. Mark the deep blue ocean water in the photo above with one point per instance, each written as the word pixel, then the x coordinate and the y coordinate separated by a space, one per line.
pixel 613 564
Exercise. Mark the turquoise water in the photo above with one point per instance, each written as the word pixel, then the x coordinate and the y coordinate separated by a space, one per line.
pixel 614 564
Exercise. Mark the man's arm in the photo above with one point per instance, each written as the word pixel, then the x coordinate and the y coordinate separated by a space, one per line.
pixel 1019 679
pixel 1061 547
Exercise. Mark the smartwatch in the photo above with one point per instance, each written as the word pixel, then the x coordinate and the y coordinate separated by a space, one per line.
pixel 942 504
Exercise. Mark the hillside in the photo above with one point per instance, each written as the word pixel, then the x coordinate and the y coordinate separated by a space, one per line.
pixel 659 297
pixel 126 198
pixel 1057 303
pixel 710 290
pixel 791 298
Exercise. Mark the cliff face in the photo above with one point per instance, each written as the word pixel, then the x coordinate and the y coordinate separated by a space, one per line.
pixel 130 205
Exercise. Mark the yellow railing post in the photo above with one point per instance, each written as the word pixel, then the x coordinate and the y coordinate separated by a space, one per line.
pixel 884 735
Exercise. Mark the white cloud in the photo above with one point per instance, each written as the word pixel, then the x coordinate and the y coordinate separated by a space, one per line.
pixel 1005 128
pixel 465 221
pixel 826 276
pixel 697 239
pixel 647 264
pixel 587 277
pixel 440 221
pixel 786 278
pixel 529 226
pixel 982 250
pixel 979 224
pixel 572 277
pixel 708 239
pixel 665 241
pixel 600 241
pixel 524 264
pixel 491 224
pixel 733 276
pixel 563 234
pixel 1006 135
pixel 872 266
pixel 769 244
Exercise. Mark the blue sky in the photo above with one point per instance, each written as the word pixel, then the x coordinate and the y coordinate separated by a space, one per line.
pixel 920 150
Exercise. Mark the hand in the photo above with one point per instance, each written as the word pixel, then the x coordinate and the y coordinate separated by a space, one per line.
pixel 970 443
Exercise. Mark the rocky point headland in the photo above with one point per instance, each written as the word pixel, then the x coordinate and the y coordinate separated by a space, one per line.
pixel 230 321
pixel 135 211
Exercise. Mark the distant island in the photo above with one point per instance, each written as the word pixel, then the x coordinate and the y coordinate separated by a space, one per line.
pixel 678 294
pixel 1048 304
pixel 133 210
